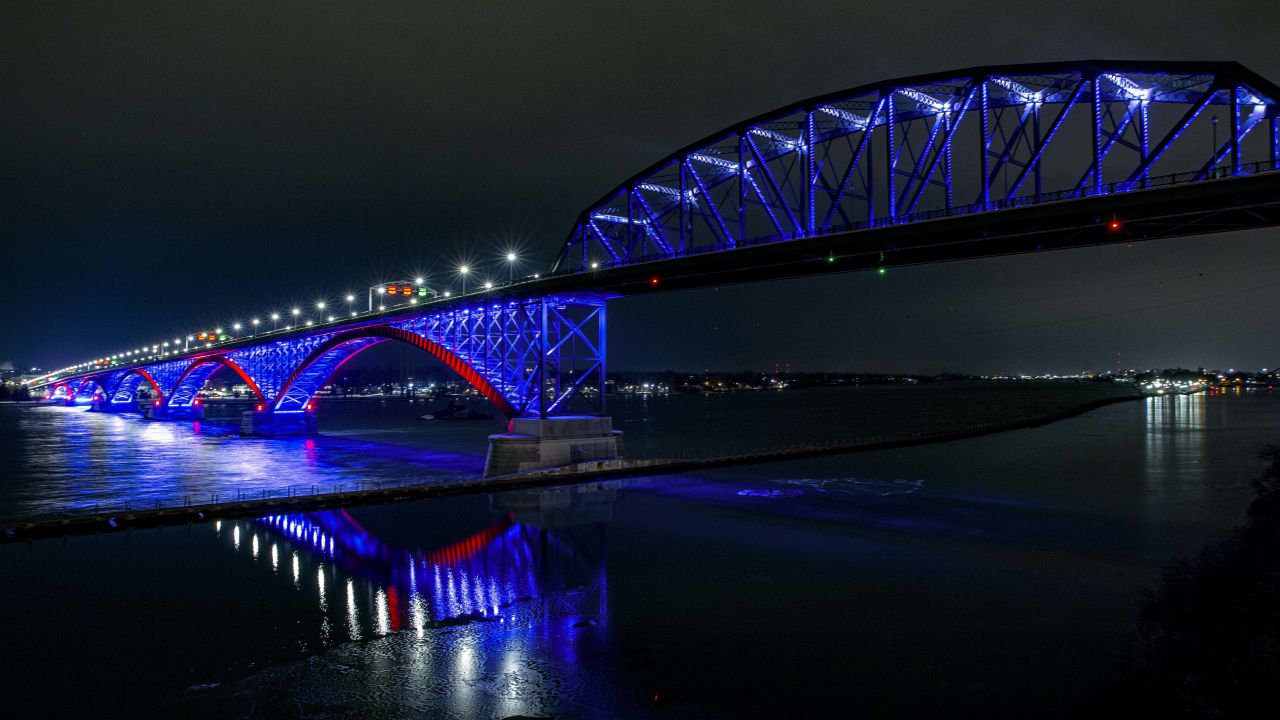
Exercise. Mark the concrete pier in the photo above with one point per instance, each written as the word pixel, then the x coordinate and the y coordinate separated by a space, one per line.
pixel 532 443
pixel 167 412
pixel 270 424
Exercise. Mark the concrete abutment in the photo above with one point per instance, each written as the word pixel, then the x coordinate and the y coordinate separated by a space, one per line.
pixel 532 443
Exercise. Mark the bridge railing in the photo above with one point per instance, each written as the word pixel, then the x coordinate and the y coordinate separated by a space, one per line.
pixel 1112 188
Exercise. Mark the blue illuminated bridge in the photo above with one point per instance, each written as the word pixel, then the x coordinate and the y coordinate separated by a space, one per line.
pixel 968 163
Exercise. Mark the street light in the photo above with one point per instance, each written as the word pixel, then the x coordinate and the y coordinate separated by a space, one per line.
pixel 511 265
pixel 275 321
pixel 320 305
pixel 463 270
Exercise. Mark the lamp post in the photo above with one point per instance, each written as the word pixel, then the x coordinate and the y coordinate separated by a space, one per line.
pixel 275 321
pixel 463 270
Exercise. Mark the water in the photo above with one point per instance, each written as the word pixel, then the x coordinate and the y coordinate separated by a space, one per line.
pixel 67 458
pixel 995 576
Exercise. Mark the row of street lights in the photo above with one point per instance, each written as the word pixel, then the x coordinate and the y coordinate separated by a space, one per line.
pixel 165 349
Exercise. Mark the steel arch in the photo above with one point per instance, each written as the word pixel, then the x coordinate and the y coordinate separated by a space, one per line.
pixel 316 369
pixel 193 378
pixel 123 389
pixel 903 150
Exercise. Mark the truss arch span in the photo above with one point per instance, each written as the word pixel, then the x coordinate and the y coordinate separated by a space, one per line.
pixel 959 142
pixel 318 367
pixel 196 375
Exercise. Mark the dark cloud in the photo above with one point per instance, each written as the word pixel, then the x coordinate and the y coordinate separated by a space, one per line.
pixel 164 166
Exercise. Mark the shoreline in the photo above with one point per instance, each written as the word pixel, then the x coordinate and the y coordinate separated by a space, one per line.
pixel 62 525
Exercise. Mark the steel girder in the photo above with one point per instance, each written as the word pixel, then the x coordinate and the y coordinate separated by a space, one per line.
pixel 539 356
pixel 899 151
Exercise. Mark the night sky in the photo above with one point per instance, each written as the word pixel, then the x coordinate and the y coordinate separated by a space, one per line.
pixel 169 166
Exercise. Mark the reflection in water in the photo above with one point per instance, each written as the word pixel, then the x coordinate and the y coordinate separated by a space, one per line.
pixel 494 616
pixel 1173 437
pixel 79 459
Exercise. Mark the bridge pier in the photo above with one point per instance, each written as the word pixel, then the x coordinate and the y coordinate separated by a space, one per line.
pixel 532 443
pixel 174 412
pixel 266 423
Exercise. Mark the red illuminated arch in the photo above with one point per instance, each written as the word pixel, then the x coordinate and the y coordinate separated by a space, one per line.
pixel 145 376
pixel 440 352
pixel 224 361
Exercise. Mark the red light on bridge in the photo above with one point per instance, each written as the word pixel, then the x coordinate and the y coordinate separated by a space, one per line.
pixel 1114 225
pixel 308 407
pixel 655 281
pixel 156 403
pixel 197 402
pixel 393 289
pixel 261 408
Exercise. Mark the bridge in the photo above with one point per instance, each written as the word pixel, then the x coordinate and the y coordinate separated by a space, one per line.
pixel 962 164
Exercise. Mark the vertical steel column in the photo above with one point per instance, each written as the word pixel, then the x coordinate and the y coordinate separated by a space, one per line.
pixel 742 186
pixel 1275 137
pixel 631 226
pixel 601 343
pixel 1035 124
pixel 946 158
pixel 543 346
pixel 1235 129
pixel 810 176
pixel 891 164
pixel 1143 118
pixel 986 146
pixel 684 201
pixel 869 181
pixel 1097 134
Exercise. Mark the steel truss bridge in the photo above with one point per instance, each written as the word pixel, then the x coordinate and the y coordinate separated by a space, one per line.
pixel 969 163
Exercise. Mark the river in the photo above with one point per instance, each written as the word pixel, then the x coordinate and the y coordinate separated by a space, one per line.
pixel 995 576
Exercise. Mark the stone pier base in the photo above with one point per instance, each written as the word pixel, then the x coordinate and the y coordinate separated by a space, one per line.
pixel 533 443
pixel 166 412
pixel 271 424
